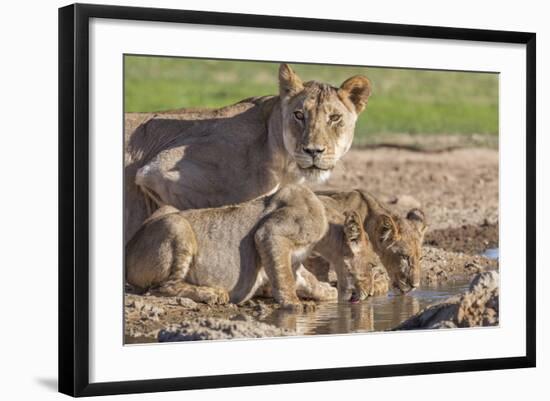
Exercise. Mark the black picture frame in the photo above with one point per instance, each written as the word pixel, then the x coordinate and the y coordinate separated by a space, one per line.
pixel 74 198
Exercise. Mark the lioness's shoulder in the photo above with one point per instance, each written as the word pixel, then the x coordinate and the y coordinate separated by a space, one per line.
pixel 264 103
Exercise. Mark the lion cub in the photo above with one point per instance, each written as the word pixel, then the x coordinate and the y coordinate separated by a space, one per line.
pixel 226 254
pixel 359 256
pixel 397 240
pixel 362 264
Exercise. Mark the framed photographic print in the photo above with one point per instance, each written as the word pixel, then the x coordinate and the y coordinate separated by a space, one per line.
pixel 249 199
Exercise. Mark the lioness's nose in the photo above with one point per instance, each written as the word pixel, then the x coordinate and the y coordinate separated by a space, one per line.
pixel 313 151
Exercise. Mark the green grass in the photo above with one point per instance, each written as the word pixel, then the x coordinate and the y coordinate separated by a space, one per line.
pixel 403 101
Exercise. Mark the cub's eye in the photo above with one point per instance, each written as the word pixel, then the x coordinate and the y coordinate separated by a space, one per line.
pixel 335 117
pixel 299 115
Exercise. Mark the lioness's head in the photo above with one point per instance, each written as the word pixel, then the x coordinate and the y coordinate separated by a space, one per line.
pixel 399 241
pixel 319 120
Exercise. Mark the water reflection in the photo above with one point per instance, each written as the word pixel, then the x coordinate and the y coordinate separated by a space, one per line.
pixel 376 314
pixel 328 318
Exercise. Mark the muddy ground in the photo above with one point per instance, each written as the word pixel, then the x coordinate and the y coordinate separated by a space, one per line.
pixel 456 187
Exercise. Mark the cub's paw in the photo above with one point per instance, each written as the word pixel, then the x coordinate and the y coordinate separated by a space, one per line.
pixel 327 292
pixel 216 296
pixel 331 293
pixel 306 306
pixel 291 304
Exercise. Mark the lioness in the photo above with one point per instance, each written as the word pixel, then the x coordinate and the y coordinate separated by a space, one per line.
pixel 396 240
pixel 193 159
pixel 225 254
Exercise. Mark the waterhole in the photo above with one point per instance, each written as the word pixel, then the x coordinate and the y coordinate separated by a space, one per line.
pixel 375 314
pixel 491 253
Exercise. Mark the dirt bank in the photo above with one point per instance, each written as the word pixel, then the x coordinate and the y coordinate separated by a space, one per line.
pixel 150 318
pixel 455 188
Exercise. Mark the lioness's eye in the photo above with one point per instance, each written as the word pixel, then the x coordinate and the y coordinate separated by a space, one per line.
pixel 299 115
pixel 335 117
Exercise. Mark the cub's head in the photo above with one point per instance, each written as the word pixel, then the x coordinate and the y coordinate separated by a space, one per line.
pixel 399 241
pixel 359 257
pixel 319 120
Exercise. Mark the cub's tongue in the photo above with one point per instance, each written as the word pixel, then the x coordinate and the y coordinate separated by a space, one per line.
pixel 354 299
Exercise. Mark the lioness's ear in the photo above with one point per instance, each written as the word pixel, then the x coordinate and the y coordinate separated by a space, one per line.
pixel 418 218
pixel 356 89
pixel 386 229
pixel 289 82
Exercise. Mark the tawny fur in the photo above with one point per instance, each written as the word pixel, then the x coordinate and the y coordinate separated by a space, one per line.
pixel 395 239
pixel 359 255
pixel 193 159
pixel 225 254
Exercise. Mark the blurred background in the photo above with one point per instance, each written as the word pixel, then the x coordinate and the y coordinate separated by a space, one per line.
pixel 406 104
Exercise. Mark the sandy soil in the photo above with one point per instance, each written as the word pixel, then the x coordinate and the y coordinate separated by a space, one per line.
pixel 456 188
pixel 151 318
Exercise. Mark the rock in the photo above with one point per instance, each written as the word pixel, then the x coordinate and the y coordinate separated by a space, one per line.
pixel 219 329
pixel 473 267
pixel 478 306
pixel 187 303
pixel 444 324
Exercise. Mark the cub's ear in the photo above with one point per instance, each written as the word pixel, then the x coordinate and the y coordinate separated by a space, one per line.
pixel 352 227
pixel 357 90
pixel 351 217
pixel 386 229
pixel 418 218
pixel 289 82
